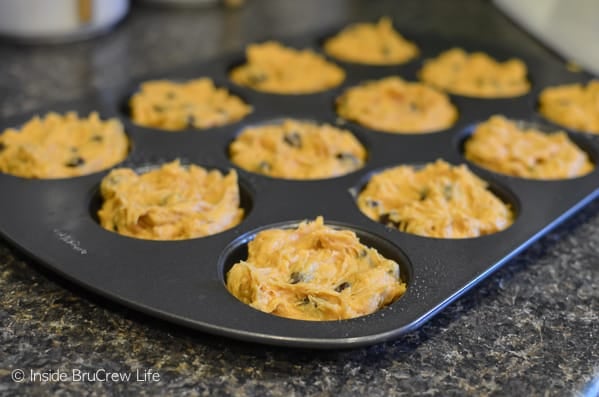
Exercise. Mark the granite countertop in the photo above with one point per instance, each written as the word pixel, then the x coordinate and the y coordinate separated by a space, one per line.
pixel 531 328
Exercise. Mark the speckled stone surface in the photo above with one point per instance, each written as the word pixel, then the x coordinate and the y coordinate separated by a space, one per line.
pixel 532 328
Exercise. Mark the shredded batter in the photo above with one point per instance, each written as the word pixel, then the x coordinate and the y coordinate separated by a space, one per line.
pixel 273 68
pixel 439 200
pixel 298 150
pixel 572 105
pixel 500 145
pixel 314 272
pixel 394 105
pixel 373 44
pixel 170 203
pixel 57 146
pixel 176 106
pixel 476 75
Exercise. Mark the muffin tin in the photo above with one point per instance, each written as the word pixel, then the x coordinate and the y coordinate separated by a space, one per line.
pixel 54 221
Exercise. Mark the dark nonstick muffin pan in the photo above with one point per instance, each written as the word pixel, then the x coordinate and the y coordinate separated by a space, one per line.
pixel 54 221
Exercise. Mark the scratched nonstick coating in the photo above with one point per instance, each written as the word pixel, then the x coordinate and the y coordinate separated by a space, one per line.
pixel 54 221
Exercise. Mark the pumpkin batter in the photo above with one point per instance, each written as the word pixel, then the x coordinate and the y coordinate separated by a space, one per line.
pixel 176 106
pixel 372 44
pixel 439 200
pixel 273 68
pixel 475 75
pixel 170 203
pixel 297 150
pixel 58 146
pixel 572 105
pixel 316 273
pixel 394 105
pixel 500 145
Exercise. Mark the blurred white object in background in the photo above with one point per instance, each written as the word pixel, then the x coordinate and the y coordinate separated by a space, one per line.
pixel 185 3
pixel 41 21
pixel 570 28
pixel 195 3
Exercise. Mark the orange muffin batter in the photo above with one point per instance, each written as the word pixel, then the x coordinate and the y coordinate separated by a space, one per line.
pixel 572 105
pixel 373 44
pixel 314 272
pixel 57 146
pixel 176 106
pixel 500 145
pixel 394 105
pixel 475 75
pixel 169 203
pixel 272 67
pixel 297 150
pixel 439 200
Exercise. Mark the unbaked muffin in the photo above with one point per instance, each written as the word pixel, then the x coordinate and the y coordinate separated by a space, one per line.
pixel 475 75
pixel 573 106
pixel 62 146
pixel 314 272
pixel 175 106
pixel 294 149
pixel 501 145
pixel 394 105
pixel 437 200
pixel 274 68
pixel 371 44
pixel 173 202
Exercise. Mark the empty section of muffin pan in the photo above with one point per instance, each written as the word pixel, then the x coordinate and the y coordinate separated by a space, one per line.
pixel 183 281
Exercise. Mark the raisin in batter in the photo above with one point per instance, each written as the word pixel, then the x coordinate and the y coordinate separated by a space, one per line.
pixel 475 75
pixel 394 105
pixel 439 200
pixel 372 44
pixel 573 106
pixel 297 150
pixel 62 146
pixel 314 272
pixel 274 68
pixel 176 106
pixel 500 145
pixel 170 203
